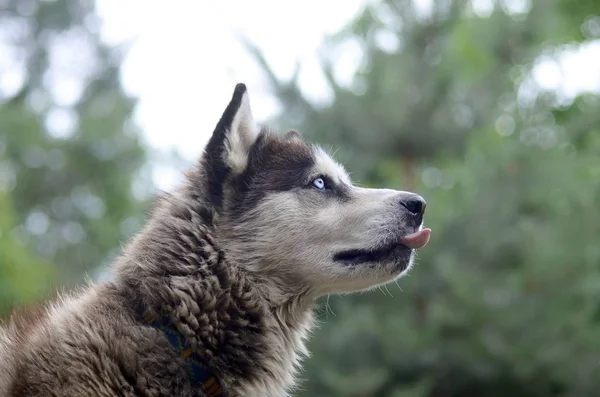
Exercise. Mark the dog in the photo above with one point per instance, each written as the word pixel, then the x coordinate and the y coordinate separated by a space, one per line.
pixel 215 295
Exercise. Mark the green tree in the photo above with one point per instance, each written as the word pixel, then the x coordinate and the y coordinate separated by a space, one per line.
pixel 69 154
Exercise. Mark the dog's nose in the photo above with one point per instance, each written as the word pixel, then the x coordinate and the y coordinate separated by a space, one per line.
pixel 415 204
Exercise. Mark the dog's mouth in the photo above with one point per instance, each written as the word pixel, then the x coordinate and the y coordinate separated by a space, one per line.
pixel 407 243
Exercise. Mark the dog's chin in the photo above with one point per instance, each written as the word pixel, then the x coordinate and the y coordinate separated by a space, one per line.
pixel 394 258
pixel 366 269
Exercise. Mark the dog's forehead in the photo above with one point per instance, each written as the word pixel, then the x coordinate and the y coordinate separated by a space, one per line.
pixel 283 155
pixel 328 166
pixel 279 152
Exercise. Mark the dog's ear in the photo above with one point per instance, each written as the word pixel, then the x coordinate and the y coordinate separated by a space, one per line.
pixel 235 133
pixel 228 148
pixel 293 135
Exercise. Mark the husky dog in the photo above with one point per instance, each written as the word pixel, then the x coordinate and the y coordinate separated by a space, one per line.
pixel 214 296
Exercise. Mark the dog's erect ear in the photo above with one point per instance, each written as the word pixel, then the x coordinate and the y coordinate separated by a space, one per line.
pixel 293 135
pixel 235 133
pixel 228 148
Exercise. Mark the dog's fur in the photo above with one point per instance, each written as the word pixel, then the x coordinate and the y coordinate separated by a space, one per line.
pixel 235 258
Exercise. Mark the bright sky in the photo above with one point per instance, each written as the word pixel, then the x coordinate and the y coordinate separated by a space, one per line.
pixel 185 60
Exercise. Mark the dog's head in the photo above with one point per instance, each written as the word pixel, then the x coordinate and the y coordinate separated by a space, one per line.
pixel 288 212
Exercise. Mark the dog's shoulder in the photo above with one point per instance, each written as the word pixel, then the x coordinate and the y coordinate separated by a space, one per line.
pixel 15 333
pixel 35 341
pixel 89 344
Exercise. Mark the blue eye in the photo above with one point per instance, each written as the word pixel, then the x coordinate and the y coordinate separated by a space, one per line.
pixel 319 183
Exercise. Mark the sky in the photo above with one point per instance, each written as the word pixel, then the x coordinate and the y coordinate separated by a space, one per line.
pixel 185 59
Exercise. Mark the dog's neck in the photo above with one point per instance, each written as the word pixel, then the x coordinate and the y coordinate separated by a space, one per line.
pixel 249 332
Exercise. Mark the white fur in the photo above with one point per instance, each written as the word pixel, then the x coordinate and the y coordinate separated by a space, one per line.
pixel 240 137
pixel 328 166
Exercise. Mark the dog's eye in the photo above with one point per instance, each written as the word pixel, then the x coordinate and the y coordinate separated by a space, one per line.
pixel 319 183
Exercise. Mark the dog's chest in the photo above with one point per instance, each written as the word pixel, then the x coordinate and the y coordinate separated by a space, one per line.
pixel 281 361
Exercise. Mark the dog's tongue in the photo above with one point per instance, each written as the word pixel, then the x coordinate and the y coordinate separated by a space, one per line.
pixel 416 240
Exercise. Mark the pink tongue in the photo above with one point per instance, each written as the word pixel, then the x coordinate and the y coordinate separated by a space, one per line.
pixel 416 240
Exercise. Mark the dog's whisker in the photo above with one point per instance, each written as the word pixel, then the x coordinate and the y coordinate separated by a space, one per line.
pixel 388 291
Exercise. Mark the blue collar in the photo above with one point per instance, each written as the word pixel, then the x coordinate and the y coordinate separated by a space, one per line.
pixel 200 376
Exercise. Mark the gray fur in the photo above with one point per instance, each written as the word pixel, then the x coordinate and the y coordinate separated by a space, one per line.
pixel 235 258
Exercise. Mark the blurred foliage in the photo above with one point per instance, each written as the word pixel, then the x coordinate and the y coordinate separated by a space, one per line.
pixel 505 300
pixel 23 277
pixel 68 152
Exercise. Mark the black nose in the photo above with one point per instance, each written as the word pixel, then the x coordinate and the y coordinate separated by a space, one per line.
pixel 415 204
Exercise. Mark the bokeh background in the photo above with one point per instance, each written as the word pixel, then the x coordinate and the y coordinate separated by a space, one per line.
pixel 488 108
